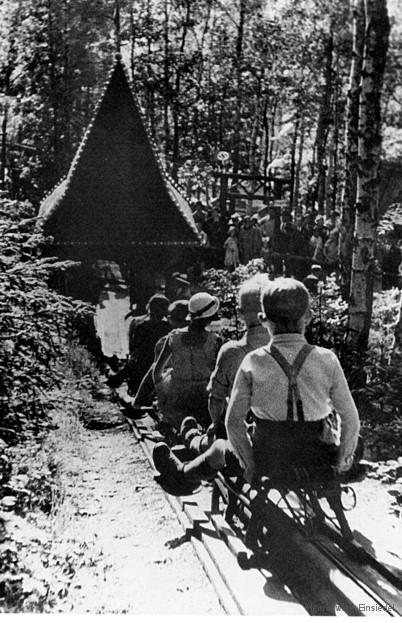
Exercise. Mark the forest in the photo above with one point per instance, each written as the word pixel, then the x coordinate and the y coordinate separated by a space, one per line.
pixel 211 77
pixel 310 89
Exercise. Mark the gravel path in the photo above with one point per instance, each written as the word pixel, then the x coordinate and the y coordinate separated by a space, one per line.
pixel 142 563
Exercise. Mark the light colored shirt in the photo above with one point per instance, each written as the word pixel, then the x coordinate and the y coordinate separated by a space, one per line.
pixel 229 359
pixel 262 386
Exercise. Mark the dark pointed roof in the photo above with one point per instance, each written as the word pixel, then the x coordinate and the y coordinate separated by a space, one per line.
pixel 116 193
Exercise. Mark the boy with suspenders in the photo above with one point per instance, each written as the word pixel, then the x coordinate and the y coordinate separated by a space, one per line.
pixel 291 389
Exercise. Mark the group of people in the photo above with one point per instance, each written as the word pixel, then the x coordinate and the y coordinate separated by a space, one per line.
pixel 287 247
pixel 207 393
pixel 243 242
pixel 288 244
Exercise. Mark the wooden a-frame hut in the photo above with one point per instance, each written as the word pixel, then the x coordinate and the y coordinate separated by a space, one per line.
pixel 117 202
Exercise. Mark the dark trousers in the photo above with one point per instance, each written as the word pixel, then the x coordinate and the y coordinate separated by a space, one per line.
pixel 278 446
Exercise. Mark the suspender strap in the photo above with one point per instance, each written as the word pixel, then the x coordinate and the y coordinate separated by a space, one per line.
pixel 291 372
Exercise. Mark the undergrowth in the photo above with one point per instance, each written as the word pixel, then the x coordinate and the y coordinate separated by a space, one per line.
pixel 37 570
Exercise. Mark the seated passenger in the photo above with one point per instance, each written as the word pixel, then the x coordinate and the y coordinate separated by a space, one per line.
pixel 177 314
pixel 293 423
pixel 229 359
pixel 143 335
pixel 192 353
pixel 144 338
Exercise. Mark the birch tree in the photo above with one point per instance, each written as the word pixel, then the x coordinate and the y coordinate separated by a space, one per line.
pixel 351 144
pixel 369 151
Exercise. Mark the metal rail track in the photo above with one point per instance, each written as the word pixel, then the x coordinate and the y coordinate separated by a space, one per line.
pixel 303 575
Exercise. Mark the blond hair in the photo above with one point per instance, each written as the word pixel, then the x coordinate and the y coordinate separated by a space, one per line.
pixel 250 293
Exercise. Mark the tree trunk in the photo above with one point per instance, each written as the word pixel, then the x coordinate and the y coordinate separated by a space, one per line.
pixel 324 122
pixel 166 80
pixel 296 204
pixel 351 145
pixel 67 143
pixel 252 158
pixel 238 82
pixel 176 103
pixel 54 92
pixel 274 111
pixel 369 151
pixel 330 170
pixel 266 136
pixel 335 176
pixel 4 124
pixel 4 143
pixel 132 44
pixel 293 161
pixel 151 77
pixel 397 346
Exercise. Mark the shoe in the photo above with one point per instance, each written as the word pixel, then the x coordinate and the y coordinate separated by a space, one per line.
pixel 177 486
pixel 189 429
pixel 165 461
pixel 171 477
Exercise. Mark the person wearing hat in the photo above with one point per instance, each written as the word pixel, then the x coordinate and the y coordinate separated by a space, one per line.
pixel 182 287
pixel 293 420
pixel 191 353
pixel 214 453
pixel 314 278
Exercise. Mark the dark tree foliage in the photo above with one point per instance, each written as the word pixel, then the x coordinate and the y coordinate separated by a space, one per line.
pixel 35 323
pixel 263 81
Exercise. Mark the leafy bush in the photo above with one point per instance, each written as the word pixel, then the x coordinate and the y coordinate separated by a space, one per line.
pixel 34 323
pixel 380 400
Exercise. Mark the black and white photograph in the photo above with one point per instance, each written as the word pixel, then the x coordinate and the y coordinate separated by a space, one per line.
pixel 200 308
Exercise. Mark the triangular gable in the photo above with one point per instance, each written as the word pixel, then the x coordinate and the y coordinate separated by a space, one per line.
pixel 116 193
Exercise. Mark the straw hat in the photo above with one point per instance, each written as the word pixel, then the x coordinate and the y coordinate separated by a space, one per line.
pixel 203 305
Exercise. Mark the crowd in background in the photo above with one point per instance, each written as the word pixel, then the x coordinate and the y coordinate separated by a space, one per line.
pixel 289 245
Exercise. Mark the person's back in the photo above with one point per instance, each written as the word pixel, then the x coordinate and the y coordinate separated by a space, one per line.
pixel 285 413
pixel 146 335
pixel 193 354
pixel 144 338
pixel 213 453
